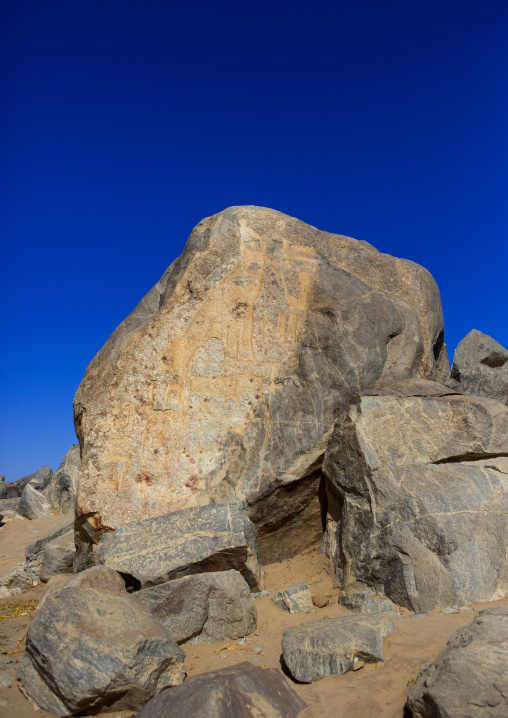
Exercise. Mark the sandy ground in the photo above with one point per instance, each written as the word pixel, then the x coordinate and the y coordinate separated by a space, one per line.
pixel 376 690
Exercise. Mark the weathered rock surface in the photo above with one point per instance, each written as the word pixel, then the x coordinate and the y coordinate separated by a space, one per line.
pixel 63 486
pixel 241 691
pixel 480 367
pixel 9 504
pixel 296 599
pixel 225 381
pixel 39 480
pixel 15 580
pixel 206 607
pixel 58 556
pixel 418 493
pixel 362 602
pixel 34 550
pixel 93 647
pixel 469 677
pixel 216 537
pixel 3 487
pixel 322 648
pixel 33 505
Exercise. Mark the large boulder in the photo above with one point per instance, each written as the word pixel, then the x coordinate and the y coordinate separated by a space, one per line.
pixel 480 367
pixel 63 486
pixel 3 488
pixel 332 646
pixel 217 537
pixel 33 505
pixel 469 677
pixel 92 647
pixel 225 381
pixel 206 607
pixel 241 691
pixel 39 480
pixel 58 556
pixel 418 496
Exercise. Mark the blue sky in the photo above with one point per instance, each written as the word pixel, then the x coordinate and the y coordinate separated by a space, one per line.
pixel 126 122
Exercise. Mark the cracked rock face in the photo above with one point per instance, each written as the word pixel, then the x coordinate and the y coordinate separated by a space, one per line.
pixel 224 382
pixel 418 497
pixel 469 677
pixel 480 367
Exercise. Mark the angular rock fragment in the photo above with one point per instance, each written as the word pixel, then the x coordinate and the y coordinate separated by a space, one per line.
pixel 480 367
pixel 62 488
pixel 322 648
pixel 362 602
pixel 9 504
pixel 15 580
pixel 217 537
pixel 33 505
pixel 58 556
pixel 418 497
pixel 35 549
pixel 240 691
pixel 206 607
pixel 92 647
pixel 296 599
pixel 469 677
pixel 225 382
pixel 37 481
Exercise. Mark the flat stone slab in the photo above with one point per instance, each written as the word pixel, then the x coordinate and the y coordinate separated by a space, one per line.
pixel 469 676
pixel 206 607
pixel 240 691
pixel 318 649
pixel 217 537
pixel 297 599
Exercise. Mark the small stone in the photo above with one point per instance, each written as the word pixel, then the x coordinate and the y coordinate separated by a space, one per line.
pixel 357 665
pixel 449 610
pixel 419 615
pixel 296 599
pixel 320 600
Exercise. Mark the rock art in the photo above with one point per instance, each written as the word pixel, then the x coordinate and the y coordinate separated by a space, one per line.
pixel 206 607
pixel 469 676
pixel 480 367
pixel 418 493
pixel 361 602
pixel 33 505
pixel 225 381
pixel 240 691
pixel 92 647
pixel 296 599
pixel 62 488
pixel 216 537
pixel 330 646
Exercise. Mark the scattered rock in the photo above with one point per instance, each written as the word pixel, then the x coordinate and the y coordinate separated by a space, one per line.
pixel 320 600
pixel 92 647
pixel 58 556
pixel 449 610
pixel 469 676
pixel 362 602
pixel 203 608
pixel 329 646
pixel 418 615
pixel 240 691
pixel 480 367
pixel 37 481
pixel 418 496
pixel 296 599
pixel 217 537
pixel 62 488
pixel 32 504
pixel 34 552
pixel 15 581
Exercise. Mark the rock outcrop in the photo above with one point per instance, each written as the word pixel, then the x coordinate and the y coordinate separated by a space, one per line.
pixel 39 480
pixel 418 494
pixel 62 488
pixel 469 677
pixel 3 488
pixel 331 646
pixel 92 647
pixel 33 505
pixel 241 691
pixel 225 381
pixel 206 607
pixel 216 537
pixel 480 367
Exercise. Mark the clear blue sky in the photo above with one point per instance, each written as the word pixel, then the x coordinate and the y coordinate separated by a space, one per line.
pixel 124 122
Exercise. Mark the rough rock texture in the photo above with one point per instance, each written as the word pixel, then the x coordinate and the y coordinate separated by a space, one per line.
pixel 418 492
pixel 63 486
pixel 480 367
pixel 9 504
pixel 217 537
pixel 3 487
pixel 361 602
pixel 35 549
pixel 240 691
pixel 296 599
pixel 92 647
pixel 469 678
pixel 226 379
pixel 203 608
pixel 38 481
pixel 322 648
pixel 58 556
pixel 15 581
pixel 441 372
pixel 33 505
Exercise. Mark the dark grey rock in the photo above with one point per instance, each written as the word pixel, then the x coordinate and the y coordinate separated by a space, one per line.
pixel 58 556
pixel 9 504
pixel 3 488
pixel 240 691
pixel 418 498
pixel 206 607
pixel 92 647
pixel 330 646
pixel 362 602
pixel 217 537
pixel 34 550
pixel 15 580
pixel 469 677
pixel 296 599
pixel 38 481
pixel 33 505
pixel 62 488
pixel 480 367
